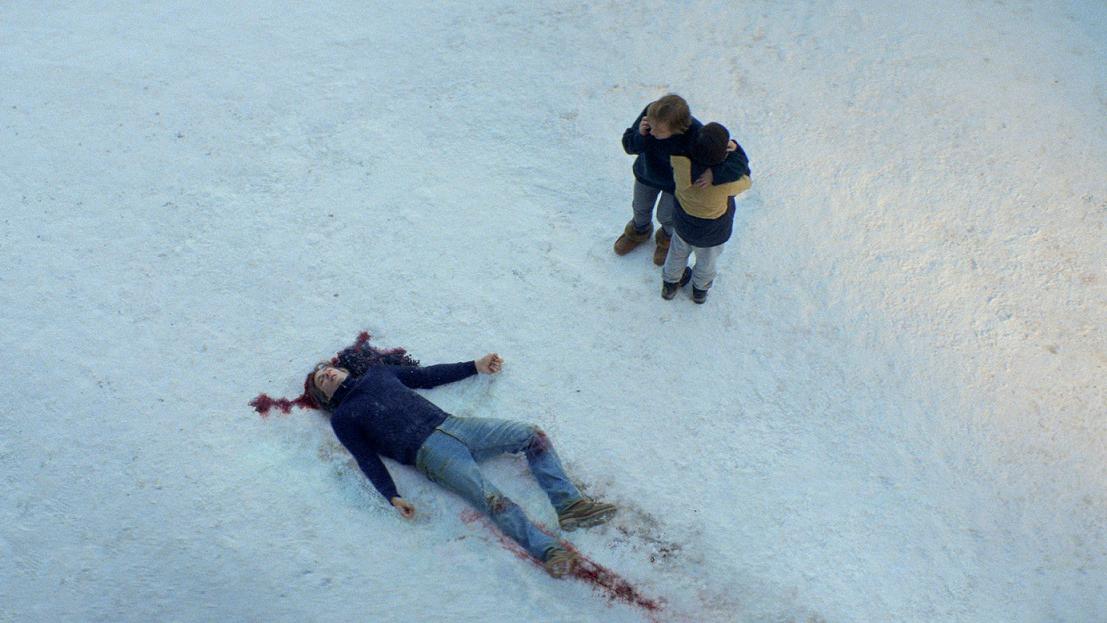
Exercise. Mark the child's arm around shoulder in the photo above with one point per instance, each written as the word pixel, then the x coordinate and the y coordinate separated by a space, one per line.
pixel 737 187
pixel 736 165
pixel 737 161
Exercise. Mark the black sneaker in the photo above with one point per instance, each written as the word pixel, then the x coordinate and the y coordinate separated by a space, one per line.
pixel 699 296
pixel 669 288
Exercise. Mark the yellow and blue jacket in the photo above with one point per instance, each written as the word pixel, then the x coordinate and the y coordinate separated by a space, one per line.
pixel 704 217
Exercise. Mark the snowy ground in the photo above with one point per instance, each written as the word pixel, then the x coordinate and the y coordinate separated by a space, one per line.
pixel 890 409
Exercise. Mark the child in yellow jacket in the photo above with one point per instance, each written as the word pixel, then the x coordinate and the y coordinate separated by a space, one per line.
pixel 703 217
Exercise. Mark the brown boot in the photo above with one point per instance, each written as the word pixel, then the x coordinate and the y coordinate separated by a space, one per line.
pixel 585 513
pixel 631 238
pixel 560 562
pixel 663 239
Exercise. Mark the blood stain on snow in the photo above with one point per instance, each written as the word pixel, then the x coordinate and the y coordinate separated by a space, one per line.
pixel 263 403
pixel 613 585
pixel 602 579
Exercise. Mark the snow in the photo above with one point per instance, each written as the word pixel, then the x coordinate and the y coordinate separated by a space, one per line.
pixel 891 407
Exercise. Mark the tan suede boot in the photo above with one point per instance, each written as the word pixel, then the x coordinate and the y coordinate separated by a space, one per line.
pixel 585 513
pixel 560 562
pixel 663 239
pixel 631 238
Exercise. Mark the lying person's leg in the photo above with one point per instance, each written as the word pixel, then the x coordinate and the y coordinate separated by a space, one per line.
pixel 488 437
pixel 447 462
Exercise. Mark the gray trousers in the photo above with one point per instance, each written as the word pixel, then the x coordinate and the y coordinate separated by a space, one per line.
pixel 644 198
pixel 703 273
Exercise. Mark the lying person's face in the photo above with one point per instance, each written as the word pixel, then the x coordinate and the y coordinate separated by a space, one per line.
pixel 328 378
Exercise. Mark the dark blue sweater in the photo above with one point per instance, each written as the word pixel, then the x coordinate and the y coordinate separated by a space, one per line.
pixel 378 414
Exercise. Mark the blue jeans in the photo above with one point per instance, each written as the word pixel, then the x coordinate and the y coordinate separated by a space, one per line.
pixel 449 458
pixel 642 204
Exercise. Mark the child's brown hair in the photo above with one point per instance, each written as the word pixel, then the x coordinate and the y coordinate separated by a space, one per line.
pixel 672 111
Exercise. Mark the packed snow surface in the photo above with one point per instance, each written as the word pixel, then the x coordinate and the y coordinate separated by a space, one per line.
pixel 891 407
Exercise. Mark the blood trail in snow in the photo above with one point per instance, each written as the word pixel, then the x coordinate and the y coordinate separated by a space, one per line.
pixel 602 579
pixel 263 403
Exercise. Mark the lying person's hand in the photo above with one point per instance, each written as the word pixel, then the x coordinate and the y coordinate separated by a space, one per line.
pixel 407 509
pixel 489 364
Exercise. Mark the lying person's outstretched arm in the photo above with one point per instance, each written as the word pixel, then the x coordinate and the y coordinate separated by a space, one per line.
pixel 433 376
pixel 351 436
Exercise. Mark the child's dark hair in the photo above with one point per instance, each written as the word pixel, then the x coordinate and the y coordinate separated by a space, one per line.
pixel 355 359
pixel 709 148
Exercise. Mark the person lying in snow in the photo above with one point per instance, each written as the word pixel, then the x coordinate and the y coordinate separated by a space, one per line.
pixel 376 413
